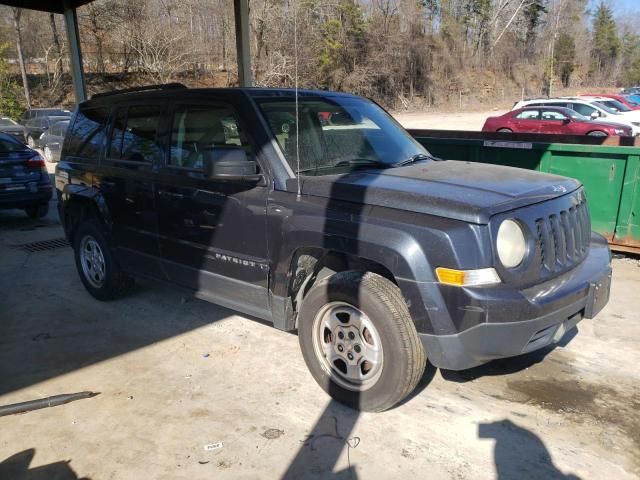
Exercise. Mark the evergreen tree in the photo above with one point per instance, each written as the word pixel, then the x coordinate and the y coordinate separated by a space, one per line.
pixel 9 89
pixel 564 57
pixel 606 44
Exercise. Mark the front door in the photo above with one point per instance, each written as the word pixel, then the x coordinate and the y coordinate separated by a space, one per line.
pixel 554 122
pixel 212 229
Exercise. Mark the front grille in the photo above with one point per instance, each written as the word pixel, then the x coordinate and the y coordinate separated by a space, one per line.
pixel 563 237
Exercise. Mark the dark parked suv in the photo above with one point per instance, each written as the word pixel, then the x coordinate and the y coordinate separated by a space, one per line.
pixel 380 255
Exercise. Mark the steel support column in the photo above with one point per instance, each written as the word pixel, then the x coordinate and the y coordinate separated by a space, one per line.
pixel 243 50
pixel 75 53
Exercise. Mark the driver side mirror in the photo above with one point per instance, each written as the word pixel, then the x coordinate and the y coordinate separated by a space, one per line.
pixel 230 163
pixel 566 121
pixel 595 115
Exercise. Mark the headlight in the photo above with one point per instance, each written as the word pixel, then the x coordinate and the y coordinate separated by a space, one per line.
pixel 619 131
pixel 511 244
pixel 637 124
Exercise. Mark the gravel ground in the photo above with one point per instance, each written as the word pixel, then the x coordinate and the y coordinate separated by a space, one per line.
pixel 176 374
pixel 445 121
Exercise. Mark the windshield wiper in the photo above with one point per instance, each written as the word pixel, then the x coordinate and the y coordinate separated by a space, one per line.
pixel 414 158
pixel 362 162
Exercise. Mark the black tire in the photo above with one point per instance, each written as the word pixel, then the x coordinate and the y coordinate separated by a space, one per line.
pixel 403 357
pixel 597 133
pixel 505 130
pixel 37 211
pixel 114 283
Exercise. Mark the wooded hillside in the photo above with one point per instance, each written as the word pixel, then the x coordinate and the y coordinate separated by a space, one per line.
pixel 403 53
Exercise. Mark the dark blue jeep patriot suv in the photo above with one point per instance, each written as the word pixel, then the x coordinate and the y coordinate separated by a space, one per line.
pixel 316 211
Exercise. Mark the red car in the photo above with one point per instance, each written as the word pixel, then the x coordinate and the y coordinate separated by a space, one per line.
pixel 552 120
pixel 621 98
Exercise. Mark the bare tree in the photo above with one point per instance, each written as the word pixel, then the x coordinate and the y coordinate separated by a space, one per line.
pixel 56 43
pixel 17 13
pixel 160 52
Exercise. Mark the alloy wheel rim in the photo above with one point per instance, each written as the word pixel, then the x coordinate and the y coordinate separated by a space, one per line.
pixel 92 261
pixel 348 346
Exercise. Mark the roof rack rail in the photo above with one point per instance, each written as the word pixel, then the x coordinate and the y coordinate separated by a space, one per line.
pixel 161 86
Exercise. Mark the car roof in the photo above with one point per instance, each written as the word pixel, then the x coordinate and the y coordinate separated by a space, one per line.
pixel 177 92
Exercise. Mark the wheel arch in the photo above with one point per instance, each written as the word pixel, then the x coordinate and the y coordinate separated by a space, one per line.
pixel 79 203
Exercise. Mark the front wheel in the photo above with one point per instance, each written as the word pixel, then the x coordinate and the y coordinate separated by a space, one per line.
pixel 597 133
pixel 359 342
pixel 98 269
pixel 505 130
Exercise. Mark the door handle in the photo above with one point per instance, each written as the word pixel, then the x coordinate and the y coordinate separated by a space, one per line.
pixel 167 194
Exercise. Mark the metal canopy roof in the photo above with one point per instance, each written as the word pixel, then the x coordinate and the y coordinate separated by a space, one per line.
pixel 54 6
pixel 68 9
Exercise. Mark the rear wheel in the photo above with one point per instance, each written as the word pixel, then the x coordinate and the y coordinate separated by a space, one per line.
pixel 359 342
pixel 597 133
pixel 37 211
pixel 101 275
pixel 505 130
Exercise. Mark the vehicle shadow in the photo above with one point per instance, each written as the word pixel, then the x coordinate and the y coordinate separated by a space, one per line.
pixel 507 366
pixel 16 467
pixel 323 446
pixel 520 454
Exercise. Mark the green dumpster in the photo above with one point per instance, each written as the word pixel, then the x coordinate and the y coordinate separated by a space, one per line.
pixel 610 173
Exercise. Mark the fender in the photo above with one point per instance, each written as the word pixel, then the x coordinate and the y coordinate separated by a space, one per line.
pixel 399 251
pixel 85 193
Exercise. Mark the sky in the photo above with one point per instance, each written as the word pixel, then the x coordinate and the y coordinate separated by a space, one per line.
pixel 619 5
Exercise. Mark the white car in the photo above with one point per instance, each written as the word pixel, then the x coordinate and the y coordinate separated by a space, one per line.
pixel 616 106
pixel 587 107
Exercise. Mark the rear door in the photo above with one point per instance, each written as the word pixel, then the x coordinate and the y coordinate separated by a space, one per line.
pixel 213 230
pixel 125 179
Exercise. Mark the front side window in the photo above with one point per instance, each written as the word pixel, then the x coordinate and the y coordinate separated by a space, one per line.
pixel 528 115
pixel 201 133
pixel 552 115
pixel 337 134
pixel 134 137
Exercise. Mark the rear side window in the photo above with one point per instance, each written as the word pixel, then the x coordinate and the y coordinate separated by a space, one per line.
pixel 135 134
pixel 86 136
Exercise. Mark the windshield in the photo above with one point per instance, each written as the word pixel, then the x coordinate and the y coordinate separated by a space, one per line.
pixel 7 122
pixel 53 120
pixel 52 112
pixel 338 134
pixel 605 108
pixel 631 101
pixel 577 116
pixel 616 105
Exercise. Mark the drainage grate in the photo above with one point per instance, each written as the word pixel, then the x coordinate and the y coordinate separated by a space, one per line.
pixel 43 245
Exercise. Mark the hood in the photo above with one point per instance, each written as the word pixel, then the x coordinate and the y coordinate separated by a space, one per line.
pixel 12 129
pixel 471 192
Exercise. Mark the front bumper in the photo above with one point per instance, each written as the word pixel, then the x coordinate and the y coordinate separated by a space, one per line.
pixel 540 316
